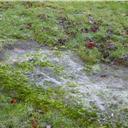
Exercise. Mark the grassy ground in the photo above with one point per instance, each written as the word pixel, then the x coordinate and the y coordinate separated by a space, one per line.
pixel 22 103
pixel 97 32
pixel 71 25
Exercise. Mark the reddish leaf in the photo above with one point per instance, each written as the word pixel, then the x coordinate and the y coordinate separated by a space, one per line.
pixel 90 45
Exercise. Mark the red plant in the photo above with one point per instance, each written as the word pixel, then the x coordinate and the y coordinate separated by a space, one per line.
pixel 90 45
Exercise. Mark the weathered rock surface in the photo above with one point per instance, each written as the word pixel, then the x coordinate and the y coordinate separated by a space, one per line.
pixel 106 89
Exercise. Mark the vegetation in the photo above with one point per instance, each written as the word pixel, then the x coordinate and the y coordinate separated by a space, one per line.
pixel 23 102
pixel 69 25
pixel 96 32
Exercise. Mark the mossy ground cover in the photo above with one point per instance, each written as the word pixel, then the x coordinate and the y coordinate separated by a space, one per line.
pixel 68 25
pixel 71 25
pixel 22 102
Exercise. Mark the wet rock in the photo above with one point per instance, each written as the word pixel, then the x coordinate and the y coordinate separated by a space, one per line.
pixel 19 50
pixel 89 88
pixel 9 46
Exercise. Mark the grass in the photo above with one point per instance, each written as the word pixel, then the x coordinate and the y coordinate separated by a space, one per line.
pixel 43 106
pixel 48 104
pixel 66 24
pixel 60 25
